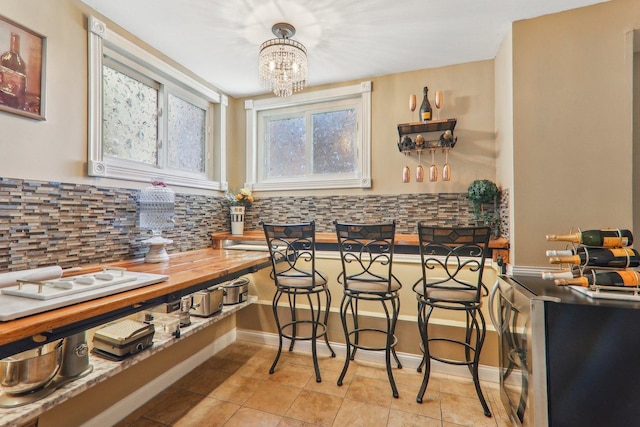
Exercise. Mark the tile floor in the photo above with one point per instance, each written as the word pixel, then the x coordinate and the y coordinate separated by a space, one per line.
pixel 234 388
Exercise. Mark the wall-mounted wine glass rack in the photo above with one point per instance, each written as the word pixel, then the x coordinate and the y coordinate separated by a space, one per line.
pixel 416 136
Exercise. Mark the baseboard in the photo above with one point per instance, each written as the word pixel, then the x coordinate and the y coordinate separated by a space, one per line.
pixel 408 360
pixel 145 393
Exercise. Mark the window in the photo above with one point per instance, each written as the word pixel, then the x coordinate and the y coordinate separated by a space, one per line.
pixel 149 121
pixel 311 140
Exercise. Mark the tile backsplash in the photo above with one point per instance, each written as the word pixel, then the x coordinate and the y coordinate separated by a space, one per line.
pixel 52 223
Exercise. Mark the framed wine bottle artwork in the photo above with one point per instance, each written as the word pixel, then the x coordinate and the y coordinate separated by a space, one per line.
pixel 22 70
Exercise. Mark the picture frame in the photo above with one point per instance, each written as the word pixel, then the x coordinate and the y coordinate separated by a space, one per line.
pixel 22 70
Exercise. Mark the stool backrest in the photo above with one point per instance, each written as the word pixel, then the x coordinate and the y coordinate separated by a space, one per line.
pixel 292 248
pixel 366 252
pixel 453 257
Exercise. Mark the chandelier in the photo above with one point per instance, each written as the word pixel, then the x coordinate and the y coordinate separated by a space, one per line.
pixel 283 62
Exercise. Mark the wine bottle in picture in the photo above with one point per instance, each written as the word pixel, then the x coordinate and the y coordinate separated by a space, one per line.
pixel 600 257
pixel 609 238
pixel 623 278
pixel 425 107
pixel 13 75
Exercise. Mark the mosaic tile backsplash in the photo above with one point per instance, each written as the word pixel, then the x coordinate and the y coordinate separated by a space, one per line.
pixel 52 223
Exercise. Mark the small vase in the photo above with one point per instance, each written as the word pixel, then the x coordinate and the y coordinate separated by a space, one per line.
pixel 237 219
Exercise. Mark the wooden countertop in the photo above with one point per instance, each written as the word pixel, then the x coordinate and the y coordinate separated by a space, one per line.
pixel 185 270
pixel 401 239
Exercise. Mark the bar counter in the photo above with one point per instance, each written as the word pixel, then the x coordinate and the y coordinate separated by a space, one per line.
pixel 403 242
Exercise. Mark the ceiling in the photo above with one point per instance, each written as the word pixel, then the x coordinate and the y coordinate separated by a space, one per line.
pixel 345 39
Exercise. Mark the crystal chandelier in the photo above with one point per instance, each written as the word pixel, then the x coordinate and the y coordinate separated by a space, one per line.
pixel 283 62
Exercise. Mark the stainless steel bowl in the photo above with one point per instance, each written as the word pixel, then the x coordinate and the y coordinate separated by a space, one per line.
pixel 31 369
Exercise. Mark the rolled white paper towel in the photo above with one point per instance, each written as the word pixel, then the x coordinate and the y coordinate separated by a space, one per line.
pixel 42 273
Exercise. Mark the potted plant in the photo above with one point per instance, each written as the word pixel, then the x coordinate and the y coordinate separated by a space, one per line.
pixel 483 191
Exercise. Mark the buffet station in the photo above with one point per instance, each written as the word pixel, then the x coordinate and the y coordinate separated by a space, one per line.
pixel 135 310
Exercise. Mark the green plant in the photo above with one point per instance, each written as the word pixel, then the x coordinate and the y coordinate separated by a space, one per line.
pixel 484 191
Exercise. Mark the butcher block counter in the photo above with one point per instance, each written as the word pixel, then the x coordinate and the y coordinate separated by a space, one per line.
pixel 187 271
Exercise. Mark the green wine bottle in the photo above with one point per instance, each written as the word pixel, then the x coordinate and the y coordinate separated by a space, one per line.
pixel 600 257
pixel 608 238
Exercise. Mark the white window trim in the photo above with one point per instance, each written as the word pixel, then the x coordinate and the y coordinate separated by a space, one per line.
pixel 99 38
pixel 253 107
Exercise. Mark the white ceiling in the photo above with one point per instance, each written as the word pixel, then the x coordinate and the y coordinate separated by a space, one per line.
pixel 345 39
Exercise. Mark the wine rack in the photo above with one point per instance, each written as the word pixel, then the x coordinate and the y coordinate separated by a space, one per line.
pixel 433 133
pixel 602 291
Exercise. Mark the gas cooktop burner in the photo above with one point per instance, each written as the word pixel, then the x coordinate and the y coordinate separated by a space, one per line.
pixel 36 296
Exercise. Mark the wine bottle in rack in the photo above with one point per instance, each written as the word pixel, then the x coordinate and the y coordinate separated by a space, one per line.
pixel 622 278
pixel 561 274
pixel 564 252
pixel 609 238
pixel 600 257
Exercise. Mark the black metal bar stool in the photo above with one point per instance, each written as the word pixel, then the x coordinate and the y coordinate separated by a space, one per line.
pixel 366 252
pixel 293 261
pixel 452 265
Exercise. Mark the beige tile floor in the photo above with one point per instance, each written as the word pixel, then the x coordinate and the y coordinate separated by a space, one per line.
pixel 234 388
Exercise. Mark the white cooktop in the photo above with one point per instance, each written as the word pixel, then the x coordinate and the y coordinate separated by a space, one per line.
pixel 32 297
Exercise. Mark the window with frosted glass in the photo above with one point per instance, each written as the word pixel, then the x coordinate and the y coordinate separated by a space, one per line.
pixel 286 148
pixel 129 118
pixel 186 135
pixel 334 142
pixel 328 147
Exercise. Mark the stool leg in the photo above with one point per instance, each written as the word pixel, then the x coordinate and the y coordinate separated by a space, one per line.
pixel 326 320
pixel 480 335
pixel 390 348
pixel 396 309
pixel 423 317
pixel 315 319
pixel 356 327
pixel 294 325
pixel 274 306
pixel 344 307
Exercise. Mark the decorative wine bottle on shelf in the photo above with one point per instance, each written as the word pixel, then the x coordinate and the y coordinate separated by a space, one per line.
pixel 13 75
pixel 609 238
pixel 622 278
pixel 600 257
pixel 425 108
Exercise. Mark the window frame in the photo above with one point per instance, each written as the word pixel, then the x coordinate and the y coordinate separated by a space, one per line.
pixel 360 92
pixel 104 41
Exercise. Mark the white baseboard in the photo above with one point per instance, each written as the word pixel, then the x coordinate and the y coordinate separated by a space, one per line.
pixel 145 393
pixel 408 360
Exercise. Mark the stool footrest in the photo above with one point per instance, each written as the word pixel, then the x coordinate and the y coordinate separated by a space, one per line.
pixel 321 332
pixel 367 332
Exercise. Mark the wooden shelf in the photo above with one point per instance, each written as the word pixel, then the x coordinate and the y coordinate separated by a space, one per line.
pixel 407 143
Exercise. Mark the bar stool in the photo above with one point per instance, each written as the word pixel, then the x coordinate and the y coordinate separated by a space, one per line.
pixel 292 248
pixel 452 265
pixel 366 253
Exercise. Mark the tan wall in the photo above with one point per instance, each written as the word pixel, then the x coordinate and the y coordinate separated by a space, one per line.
pixel 572 110
pixel 56 149
pixel 504 124
pixel 468 96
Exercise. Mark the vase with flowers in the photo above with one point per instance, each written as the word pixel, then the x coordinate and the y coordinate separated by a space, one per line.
pixel 238 201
